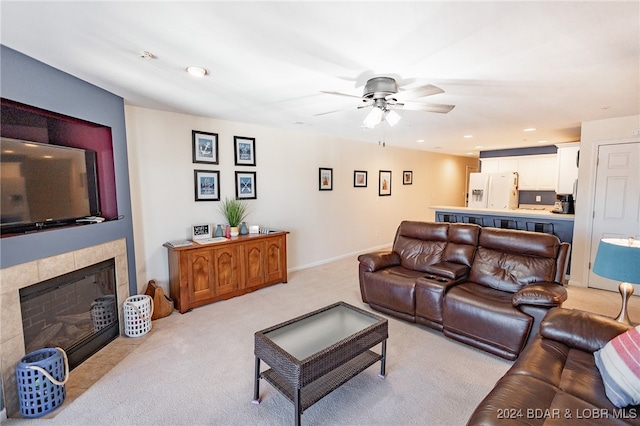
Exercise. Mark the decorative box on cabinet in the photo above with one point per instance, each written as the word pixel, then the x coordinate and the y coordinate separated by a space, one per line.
pixel 203 274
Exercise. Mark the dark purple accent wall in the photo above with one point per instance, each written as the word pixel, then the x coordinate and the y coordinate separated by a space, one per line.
pixel 29 123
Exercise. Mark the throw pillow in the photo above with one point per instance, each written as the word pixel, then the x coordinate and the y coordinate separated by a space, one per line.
pixel 619 365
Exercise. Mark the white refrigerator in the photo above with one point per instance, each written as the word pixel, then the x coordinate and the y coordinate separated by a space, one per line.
pixel 493 190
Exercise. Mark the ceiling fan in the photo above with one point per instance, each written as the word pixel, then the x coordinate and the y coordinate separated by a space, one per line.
pixel 384 95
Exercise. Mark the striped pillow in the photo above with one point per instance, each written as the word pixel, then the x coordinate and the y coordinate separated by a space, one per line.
pixel 619 365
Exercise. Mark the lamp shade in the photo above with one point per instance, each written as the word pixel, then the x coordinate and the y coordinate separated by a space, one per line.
pixel 618 259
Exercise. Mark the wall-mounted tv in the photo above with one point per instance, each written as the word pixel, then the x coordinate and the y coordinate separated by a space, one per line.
pixel 45 185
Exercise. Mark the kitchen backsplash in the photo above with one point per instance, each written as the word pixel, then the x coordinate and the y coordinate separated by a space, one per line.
pixel 529 197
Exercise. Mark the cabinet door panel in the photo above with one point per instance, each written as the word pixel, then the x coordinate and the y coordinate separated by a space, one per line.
pixel 275 251
pixel 226 270
pixel 200 269
pixel 255 264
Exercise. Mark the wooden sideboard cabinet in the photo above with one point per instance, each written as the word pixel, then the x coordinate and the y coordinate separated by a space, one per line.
pixel 202 274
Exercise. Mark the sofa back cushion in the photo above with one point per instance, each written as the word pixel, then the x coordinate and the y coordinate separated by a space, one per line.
pixel 420 244
pixel 508 260
pixel 461 244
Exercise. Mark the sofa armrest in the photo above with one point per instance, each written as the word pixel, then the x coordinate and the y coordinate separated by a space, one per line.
pixel 379 260
pixel 540 294
pixel 586 331
pixel 453 271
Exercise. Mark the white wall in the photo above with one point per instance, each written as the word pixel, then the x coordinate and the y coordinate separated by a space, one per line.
pixel 593 134
pixel 323 225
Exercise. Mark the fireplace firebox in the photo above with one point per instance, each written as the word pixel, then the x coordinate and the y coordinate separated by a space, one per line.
pixel 77 312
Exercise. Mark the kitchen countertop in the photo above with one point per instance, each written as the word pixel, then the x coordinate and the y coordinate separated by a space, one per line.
pixel 522 212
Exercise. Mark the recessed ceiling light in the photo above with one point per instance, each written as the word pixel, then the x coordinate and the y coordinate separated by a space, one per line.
pixel 197 71
pixel 543 141
pixel 469 153
pixel 420 141
pixel 530 129
pixel 468 136
pixel 479 146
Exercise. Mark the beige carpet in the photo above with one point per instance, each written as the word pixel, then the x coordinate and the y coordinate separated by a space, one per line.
pixel 197 368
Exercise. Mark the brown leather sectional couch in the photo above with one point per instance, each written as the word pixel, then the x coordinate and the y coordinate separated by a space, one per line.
pixel 555 380
pixel 487 287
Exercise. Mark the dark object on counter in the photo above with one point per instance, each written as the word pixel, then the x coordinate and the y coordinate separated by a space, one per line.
pixel 564 204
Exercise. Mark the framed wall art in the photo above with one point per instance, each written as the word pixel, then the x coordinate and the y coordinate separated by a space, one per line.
pixel 205 147
pixel 384 183
pixel 407 177
pixel 359 179
pixel 200 232
pixel 325 179
pixel 246 185
pixel 207 185
pixel 245 151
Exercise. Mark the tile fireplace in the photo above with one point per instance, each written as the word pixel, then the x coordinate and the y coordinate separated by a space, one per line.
pixel 19 278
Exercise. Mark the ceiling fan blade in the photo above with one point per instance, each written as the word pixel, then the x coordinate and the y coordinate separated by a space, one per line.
pixel 340 94
pixel 418 92
pixel 363 105
pixel 417 106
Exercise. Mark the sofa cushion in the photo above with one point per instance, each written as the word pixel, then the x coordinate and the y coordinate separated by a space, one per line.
pixel 510 272
pixel 485 318
pixel 392 288
pixel 462 242
pixel 420 244
pixel 619 364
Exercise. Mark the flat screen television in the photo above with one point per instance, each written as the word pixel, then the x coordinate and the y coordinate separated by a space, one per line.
pixel 45 185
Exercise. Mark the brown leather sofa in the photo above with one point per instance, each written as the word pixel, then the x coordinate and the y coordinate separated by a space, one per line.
pixel 555 380
pixel 486 287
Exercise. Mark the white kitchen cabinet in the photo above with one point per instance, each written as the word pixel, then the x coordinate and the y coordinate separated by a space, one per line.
pixel 567 166
pixel 490 165
pixel 536 172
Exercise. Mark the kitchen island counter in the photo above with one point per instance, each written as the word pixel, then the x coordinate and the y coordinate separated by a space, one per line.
pixel 519 213
pixel 561 225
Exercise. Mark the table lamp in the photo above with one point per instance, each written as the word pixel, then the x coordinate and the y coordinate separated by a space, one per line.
pixel 619 259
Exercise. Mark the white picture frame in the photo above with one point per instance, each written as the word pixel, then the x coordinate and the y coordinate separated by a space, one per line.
pixel 201 231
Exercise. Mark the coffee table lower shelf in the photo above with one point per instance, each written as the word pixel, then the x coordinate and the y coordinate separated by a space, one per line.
pixel 323 386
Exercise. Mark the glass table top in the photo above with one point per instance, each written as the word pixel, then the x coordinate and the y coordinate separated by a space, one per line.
pixel 311 335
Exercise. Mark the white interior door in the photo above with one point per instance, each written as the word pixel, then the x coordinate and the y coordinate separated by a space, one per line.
pixel 616 201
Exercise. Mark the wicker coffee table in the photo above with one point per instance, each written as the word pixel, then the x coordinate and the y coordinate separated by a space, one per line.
pixel 316 353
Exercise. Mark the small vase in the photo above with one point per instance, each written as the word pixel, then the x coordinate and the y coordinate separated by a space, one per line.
pixel 227 231
pixel 219 232
pixel 243 228
pixel 234 231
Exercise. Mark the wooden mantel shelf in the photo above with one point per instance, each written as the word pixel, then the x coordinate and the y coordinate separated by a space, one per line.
pixel 205 273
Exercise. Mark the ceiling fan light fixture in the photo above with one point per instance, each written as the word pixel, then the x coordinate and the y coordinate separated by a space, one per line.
pixel 373 118
pixel 392 118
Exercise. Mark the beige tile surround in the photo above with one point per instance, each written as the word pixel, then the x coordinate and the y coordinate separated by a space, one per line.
pixel 13 278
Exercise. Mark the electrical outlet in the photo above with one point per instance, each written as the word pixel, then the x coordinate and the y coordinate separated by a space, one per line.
pixel 538 198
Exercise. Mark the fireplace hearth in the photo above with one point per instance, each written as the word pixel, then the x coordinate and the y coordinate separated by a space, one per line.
pixel 15 278
pixel 76 311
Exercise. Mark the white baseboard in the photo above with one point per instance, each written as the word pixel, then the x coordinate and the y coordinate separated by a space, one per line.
pixel 343 256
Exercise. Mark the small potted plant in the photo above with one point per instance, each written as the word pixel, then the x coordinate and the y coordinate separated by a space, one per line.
pixel 235 212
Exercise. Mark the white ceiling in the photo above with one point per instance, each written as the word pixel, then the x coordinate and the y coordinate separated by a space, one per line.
pixel 506 66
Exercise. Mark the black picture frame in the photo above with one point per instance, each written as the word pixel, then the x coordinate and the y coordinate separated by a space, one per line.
pixel 359 178
pixel 246 188
pixel 244 150
pixel 407 177
pixel 206 185
pixel 204 147
pixel 325 179
pixel 384 183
